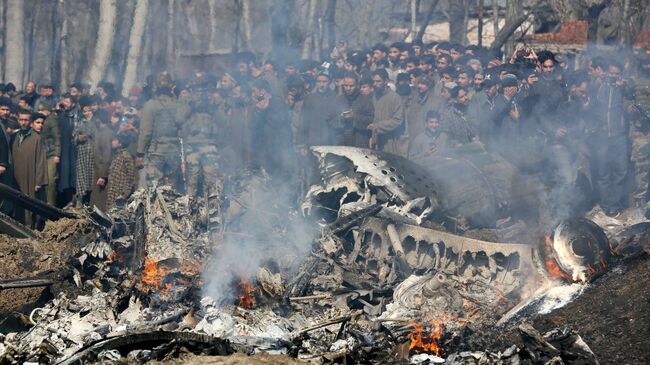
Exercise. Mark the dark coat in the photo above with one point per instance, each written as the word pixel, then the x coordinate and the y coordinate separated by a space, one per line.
pixel 103 154
pixel 6 177
pixel 30 167
pixel 319 113
pixel 352 130
pixel 272 140
pixel 68 165
pixel 389 117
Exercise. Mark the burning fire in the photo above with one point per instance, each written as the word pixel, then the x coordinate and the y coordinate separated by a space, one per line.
pixel 552 267
pixel 423 342
pixel 153 275
pixel 246 299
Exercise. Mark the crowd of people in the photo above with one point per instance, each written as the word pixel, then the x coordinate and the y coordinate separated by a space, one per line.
pixel 548 114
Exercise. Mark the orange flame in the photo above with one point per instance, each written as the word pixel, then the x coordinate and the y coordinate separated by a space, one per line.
pixel 152 275
pixel 114 257
pixel 246 299
pixel 423 342
pixel 552 266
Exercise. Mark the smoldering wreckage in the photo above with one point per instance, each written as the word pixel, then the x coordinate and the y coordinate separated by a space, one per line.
pixel 382 263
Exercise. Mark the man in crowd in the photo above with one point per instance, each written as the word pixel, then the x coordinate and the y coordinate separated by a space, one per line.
pixel 356 113
pixel 159 148
pixel 30 169
pixel 388 126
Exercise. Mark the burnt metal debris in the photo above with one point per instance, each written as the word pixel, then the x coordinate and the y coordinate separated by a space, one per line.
pixel 383 273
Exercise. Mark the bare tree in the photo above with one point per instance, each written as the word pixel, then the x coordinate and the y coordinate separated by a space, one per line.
pixel 170 49
pixel 309 40
pixel 427 20
pixel 458 18
pixel 14 59
pixel 135 44
pixel 105 36
pixel 246 23
pixel 330 18
pixel 495 17
pixel 212 6
pixel 514 10
pixel 414 18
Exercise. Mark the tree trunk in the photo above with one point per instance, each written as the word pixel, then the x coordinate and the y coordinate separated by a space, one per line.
pixel 246 24
pixel 427 20
pixel 495 17
pixel 15 50
pixel 280 14
pixel 171 40
pixel 235 38
pixel 135 45
pixel 458 21
pixel 330 20
pixel 514 10
pixel 105 36
pixel 594 8
pixel 3 32
pixel 62 49
pixel 624 36
pixel 508 29
pixel 213 23
pixel 41 50
pixel 311 28
pixel 480 23
pixel 414 18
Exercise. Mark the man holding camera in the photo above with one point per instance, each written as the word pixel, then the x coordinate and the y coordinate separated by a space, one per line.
pixel 356 113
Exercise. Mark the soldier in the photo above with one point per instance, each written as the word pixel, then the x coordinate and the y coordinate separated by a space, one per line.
pixel 51 136
pixel 159 149
pixel 199 140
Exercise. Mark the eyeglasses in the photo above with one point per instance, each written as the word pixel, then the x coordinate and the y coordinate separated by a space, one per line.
pixel 548 67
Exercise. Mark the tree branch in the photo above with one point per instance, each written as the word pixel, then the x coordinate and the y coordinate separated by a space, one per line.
pixel 427 19
pixel 507 30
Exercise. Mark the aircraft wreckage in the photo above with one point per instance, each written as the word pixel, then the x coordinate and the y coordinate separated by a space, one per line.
pixel 402 259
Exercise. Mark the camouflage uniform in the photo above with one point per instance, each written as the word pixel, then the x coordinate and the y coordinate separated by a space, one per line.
pixel 159 141
pixel 641 140
pixel 200 137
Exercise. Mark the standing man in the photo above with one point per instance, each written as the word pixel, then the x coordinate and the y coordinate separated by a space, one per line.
pixel 159 149
pixel 356 115
pixel 388 126
pixel 30 168
pixel 200 142
pixel 423 102
pixel 611 147
pixel 69 118
pixel 271 134
pixel 51 136
pixel 6 172
pixel 318 114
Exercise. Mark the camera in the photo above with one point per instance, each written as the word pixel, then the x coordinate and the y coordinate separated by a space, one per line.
pixel 611 79
pixel 260 97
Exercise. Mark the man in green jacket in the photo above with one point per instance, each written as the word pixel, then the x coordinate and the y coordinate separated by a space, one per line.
pixel 159 145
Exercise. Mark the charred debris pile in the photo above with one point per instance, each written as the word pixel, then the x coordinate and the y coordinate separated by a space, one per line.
pixel 379 264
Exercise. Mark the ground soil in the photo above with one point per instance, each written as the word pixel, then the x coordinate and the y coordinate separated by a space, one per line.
pixel 20 258
pixel 612 316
